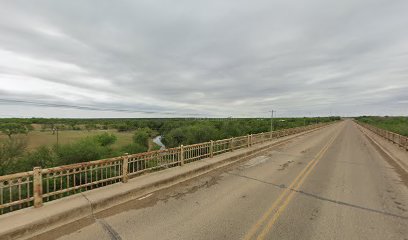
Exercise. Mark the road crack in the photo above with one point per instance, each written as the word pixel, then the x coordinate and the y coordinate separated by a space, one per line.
pixel 113 235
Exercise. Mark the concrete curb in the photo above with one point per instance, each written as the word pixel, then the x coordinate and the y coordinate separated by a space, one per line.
pixel 27 223
pixel 383 150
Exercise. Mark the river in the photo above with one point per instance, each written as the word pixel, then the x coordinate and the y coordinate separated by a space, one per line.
pixel 158 141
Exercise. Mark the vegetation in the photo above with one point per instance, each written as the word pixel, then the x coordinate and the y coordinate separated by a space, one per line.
pixel 10 129
pixel 393 124
pixel 98 137
pixel 10 152
pixel 190 132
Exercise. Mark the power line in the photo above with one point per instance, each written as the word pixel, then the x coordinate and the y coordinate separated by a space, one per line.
pixel 92 108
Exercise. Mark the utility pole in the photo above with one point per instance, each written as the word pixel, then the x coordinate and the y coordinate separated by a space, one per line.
pixel 272 120
pixel 57 137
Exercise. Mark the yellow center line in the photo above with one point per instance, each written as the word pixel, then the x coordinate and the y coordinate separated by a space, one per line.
pixel 256 226
pixel 282 208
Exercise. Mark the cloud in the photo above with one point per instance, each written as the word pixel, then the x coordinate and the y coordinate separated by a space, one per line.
pixel 211 58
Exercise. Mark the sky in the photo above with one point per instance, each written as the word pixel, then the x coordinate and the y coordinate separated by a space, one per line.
pixel 212 58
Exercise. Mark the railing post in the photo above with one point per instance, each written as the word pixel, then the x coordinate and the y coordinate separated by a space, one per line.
pixel 37 187
pixel 400 140
pixel 211 148
pixel 125 171
pixel 248 140
pixel 232 144
pixel 406 143
pixel 181 155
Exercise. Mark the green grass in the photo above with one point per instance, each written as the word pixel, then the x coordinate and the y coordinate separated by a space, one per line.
pixel 38 138
pixel 394 124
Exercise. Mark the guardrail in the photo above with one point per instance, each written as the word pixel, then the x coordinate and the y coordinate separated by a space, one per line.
pixel 396 138
pixel 22 190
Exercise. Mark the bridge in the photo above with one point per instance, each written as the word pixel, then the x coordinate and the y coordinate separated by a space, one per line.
pixel 340 180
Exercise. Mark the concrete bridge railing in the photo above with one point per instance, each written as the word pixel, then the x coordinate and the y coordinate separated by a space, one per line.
pixel 33 188
pixel 396 138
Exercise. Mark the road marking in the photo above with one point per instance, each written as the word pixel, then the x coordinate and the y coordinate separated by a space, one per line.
pixel 298 178
pixel 148 195
pixel 285 203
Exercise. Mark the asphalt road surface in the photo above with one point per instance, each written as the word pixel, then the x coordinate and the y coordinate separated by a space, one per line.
pixel 329 184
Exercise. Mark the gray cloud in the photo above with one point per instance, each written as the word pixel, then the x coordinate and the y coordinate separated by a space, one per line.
pixel 207 58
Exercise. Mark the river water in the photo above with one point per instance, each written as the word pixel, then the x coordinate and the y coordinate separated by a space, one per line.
pixel 158 141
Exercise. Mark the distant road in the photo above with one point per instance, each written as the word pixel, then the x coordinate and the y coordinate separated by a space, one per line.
pixel 329 184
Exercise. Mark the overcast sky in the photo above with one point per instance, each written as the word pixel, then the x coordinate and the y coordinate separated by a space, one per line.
pixel 203 58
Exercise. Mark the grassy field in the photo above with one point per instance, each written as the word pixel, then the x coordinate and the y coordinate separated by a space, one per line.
pixel 38 138
pixel 393 124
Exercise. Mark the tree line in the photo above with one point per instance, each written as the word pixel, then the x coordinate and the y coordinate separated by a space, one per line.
pixel 14 156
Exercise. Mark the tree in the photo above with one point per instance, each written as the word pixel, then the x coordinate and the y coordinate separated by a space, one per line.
pixel 10 151
pixel 90 127
pixel 122 127
pixel 43 157
pixel 141 137
pixel 13 128
pixel 175 137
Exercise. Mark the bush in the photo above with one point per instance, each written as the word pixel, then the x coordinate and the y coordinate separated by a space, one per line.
pixel 122 127
pixel 10 152
pixel 141 137
pixel 105 139
pixel 86 149
pixel 191 134
pixel 90 127
pixel 134 148
pixel 175 137
pixel 41 157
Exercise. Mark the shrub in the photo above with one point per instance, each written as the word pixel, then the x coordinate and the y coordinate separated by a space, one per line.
pixel 86 149
pixel 134 148
pixel 10 152
pixel 175 137
pixel 90 127
pixel 141 137
pixel 105 139
pixel 122 127
pixel 42 157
